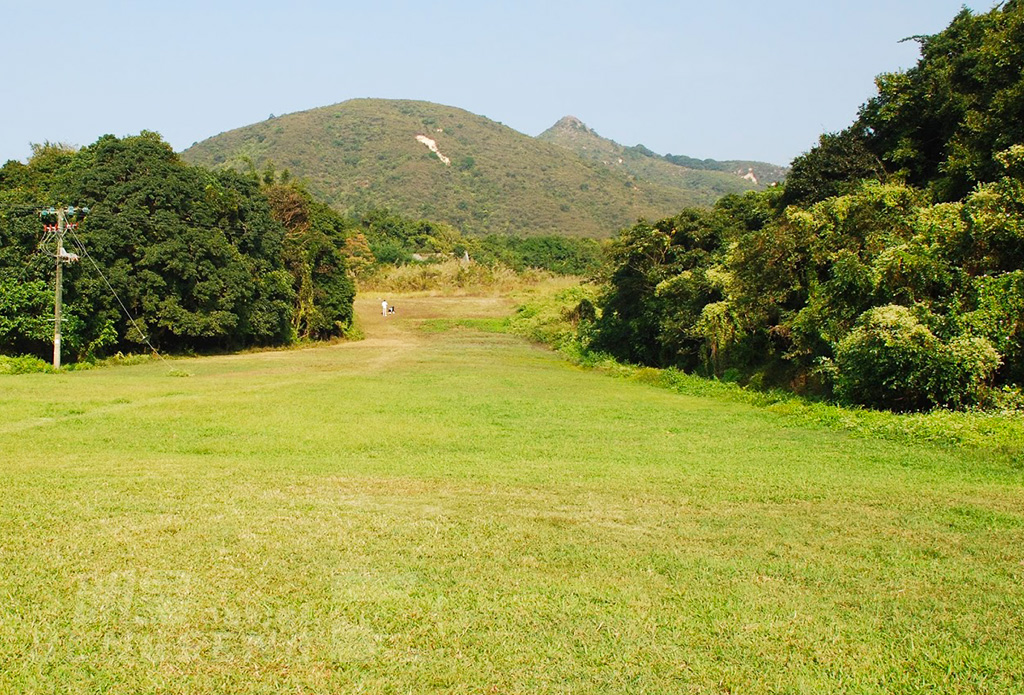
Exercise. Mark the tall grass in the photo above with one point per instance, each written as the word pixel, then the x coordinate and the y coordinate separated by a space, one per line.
pixel 452 277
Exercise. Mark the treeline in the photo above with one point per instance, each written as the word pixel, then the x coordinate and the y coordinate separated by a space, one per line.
pixel 184 259
pixel 381 238
pixel 888 271
pixel 201 260
pixel 397 240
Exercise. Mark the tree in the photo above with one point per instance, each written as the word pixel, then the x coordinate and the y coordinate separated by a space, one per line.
pixel 314 253
pixel 195 257
pixel 890 360
pixel 941 123
pixel 834 167
pixel 894 255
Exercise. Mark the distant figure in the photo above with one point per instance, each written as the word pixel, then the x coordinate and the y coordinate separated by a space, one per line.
pixel 384 308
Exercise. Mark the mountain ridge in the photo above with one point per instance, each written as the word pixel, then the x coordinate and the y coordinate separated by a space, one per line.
pixel 449 165
pixel 572 133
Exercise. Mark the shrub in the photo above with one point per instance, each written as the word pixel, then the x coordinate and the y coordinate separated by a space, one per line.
pixel 890 360
pixel 23 365
pixel 961 369
pixel 583 312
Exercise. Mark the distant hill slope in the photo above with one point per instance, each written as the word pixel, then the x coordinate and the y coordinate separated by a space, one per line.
pixel 446 164
pixel 723 177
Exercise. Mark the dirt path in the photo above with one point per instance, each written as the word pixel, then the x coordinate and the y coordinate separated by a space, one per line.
pixel 392 338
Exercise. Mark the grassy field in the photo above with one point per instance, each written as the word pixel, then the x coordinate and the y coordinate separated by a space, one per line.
pixel 446 508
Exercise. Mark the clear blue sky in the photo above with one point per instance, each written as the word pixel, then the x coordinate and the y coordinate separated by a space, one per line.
pixel 745 79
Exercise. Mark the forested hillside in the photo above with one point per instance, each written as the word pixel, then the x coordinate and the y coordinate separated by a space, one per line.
pixel 436 162
pixel 888 271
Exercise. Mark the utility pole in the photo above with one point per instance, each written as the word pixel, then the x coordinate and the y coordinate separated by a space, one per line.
pixel 58 289
pixel 62 256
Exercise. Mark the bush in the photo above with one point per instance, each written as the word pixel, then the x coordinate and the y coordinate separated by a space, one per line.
pixel 891 361
pixel 961 369
pixel 23 365
pixel 553 317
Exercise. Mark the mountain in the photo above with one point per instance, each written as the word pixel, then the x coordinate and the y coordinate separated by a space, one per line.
pixel 731 176
pixel 449 165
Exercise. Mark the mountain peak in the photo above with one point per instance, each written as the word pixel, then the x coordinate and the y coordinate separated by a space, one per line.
pixel 569 128
pixel 571 123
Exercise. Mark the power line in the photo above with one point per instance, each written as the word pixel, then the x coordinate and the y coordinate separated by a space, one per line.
pixel 58 231
pixel 128 314
pixel 27 265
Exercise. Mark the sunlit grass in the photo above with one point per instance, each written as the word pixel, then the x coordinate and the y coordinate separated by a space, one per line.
pixel 446 509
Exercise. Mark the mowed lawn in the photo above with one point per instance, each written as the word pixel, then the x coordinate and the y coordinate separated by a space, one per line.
pixel 441 509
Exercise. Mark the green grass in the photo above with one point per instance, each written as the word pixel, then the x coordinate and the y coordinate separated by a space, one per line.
pixel 542 317
pixel 455 510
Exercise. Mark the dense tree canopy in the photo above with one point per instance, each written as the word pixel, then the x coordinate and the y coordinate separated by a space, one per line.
pixel 889 269
pixel 195 257
pixel 315 250
pixel 938 126
pixel 942 123
pixel 184 259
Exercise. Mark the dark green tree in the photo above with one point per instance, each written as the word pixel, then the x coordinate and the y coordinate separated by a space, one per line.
pixel 314 253
pixel 835 166
pixel 941 124
pixel 194 256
